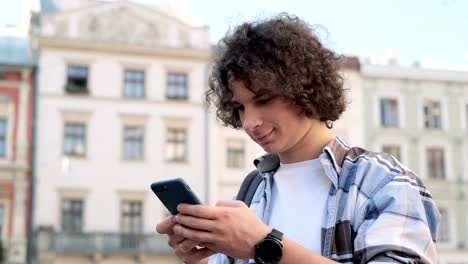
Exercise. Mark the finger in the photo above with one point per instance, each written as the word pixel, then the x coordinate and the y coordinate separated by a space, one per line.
pixel 166 225
pixel 193 234
pixel 230 203
pixel 194 255
pixel 187 245
pixel 200 211
pixel 175 240
pixel 194 222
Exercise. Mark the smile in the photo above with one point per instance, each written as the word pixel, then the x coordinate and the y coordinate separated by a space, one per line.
pixel 264 139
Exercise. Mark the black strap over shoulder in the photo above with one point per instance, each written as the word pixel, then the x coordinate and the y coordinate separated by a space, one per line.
pixel 247 191
pixel 249 187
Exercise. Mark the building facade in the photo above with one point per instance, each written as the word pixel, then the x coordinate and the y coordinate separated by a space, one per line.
pixel 16 126
pixel 120 106
pixel 420 116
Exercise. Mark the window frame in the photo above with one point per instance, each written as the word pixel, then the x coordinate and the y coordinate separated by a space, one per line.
pixel 393 113
pixel 184 143
pixel 125 93
pixel 236 151
pixel 4 138
pixel 177 85
pixel 443 162
pixel 85 143
pixel 391 145
pixel 125 143
pixel 71 86
pixel 62 215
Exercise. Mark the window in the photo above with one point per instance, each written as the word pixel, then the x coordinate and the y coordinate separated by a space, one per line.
pixel 389 112
pixel 72 215
pixel 176 145
pixel 393 150
pixel 466 116
pixel 132 224
pixel 177 86
pixel 134 84
pixel 133 143
pixel 235 153
pixel 432 114
pixel 3 133
pixel 77 80
pixel 1 221
pixel 443 233
pixel 436 163
pixel 75 139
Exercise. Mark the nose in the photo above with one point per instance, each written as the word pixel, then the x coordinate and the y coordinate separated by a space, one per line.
pixel 250 119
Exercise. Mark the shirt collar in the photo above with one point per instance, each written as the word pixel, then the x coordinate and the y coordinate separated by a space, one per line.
pixel 335 152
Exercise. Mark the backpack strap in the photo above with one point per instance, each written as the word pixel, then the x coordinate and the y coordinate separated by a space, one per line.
pixel 247 191
pixel 249 187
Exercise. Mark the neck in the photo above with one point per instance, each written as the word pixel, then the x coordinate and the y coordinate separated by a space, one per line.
pixel 310 146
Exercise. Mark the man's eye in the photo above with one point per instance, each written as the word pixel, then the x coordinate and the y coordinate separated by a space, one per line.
pixel 263 101
pixel 239 108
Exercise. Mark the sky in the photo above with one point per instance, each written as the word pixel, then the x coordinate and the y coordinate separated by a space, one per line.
pixel 431 32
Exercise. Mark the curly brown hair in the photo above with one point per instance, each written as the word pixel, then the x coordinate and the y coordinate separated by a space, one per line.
pixel 281 56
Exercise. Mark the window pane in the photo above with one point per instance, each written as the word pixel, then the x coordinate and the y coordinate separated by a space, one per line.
pixel 466 115
pixel 77 79
pixel 1 219
pixel 436 163
pixel 444 228
pixel 72 215
pixel 176 145
pixel 132 217
pixel 3 132
pixel 432 114
pixel 177 87
pixel 133 143
pixel 393 150
pixel 389 112
pixel 74 139
pixel 235 153
pixel 134 84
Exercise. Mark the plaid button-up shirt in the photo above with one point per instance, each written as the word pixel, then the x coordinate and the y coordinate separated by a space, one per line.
pixel 378 211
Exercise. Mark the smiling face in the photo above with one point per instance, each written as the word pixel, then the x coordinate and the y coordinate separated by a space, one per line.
pixel 273 123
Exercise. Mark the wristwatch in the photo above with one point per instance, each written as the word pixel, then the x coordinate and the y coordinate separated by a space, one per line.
pixel 270 249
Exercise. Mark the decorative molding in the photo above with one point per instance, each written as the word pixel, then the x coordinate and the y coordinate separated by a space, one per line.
pixel 132 195
pixel 134 119
pixel 76 115
pixel 163 52
pixel 72 193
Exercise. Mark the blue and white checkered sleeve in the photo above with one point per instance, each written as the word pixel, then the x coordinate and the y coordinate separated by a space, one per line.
pixel 399 224
pixel 218 259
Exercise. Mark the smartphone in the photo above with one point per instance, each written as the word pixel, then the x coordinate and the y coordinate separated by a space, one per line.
pixel 174 191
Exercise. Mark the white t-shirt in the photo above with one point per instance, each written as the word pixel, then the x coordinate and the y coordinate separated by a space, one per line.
pixel 299 197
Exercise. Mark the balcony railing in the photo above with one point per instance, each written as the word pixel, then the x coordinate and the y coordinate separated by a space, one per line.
pixel 103 243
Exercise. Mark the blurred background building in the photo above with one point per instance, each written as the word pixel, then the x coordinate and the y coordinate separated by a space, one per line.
pixel 16 124
pixel 120 104
pixel 420 116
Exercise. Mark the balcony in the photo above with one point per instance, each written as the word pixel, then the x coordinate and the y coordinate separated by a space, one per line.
pixel 102 243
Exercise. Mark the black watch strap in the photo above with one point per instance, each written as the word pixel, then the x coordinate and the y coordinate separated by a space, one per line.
pixel 275 234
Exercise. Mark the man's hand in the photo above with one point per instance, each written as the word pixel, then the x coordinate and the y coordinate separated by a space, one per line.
pixel 185 249
pixel 230 227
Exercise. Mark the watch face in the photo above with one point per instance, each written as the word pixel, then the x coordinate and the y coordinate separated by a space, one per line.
pixel 269 251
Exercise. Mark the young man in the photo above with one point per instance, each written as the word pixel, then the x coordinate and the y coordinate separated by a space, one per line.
pixel 321 200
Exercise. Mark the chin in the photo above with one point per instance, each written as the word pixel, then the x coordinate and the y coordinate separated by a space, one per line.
pixel 270 149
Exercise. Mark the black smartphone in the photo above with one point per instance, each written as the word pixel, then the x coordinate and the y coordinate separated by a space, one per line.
pixel 174 191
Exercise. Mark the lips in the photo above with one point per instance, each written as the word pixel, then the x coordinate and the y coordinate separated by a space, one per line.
pixel 264 138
